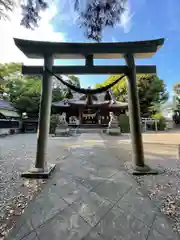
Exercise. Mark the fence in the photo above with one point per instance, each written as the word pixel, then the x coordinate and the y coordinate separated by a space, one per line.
pixel 150 121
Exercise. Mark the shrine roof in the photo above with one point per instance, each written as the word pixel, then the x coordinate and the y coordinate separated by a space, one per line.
pixel 118 104
pixel 6 105
pixel 62 103
pixel 105 50
pixel 80 103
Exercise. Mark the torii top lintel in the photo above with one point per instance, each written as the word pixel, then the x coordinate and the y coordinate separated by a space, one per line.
pixel 115 50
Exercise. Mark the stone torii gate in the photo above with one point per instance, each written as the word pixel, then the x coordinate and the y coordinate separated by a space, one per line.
pixel 88 51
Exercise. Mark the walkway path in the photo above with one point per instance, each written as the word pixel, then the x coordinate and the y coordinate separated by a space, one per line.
pixel 91 197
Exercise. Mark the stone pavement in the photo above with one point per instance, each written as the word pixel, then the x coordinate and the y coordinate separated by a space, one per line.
pixel 90 196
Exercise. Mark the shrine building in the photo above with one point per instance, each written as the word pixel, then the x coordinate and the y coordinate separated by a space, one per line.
pixel 90 110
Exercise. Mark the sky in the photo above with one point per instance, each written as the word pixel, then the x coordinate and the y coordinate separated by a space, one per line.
pixel 143 20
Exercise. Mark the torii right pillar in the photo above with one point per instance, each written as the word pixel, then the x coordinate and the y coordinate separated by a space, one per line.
pixel 139 167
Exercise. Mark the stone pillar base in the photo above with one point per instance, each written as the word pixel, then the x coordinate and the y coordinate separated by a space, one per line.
pixel 60 132
pixel 114 131
pixel 39 172
pixel 137 170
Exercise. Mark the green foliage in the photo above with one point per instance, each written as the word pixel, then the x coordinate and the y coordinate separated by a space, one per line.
pixel 124 123
pixel 119 90
pixel 93 15
pixel 98 85
pixel 152 91
pixel 57 95
pixel 6 71
pixel 28 102
pixel 162 122
pixel 75 80
pixel 25 91
pixel 68 94
pixel 176 99
pixel 176 88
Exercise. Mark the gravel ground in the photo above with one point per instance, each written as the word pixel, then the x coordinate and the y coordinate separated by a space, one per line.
pixel 163 188
pixel 17 154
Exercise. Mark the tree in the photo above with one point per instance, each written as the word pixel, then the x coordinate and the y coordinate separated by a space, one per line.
pixel 5 7
pixel 6 71
pixel 176 89
pixel 96 15
pixel 74 80
pixel 57 94
pixel 152 92
pixel 119 90
pixel 24 92
pixel 99 14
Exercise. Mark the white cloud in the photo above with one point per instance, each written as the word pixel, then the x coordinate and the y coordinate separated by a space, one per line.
pixel 9 29
pixel 126 19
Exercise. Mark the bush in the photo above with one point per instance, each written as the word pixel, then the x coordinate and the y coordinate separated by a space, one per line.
pixel 124 123
pixel 162 122
pixel 53 124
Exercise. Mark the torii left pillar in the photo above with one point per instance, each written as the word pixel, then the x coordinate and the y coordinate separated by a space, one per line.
pixel 42 169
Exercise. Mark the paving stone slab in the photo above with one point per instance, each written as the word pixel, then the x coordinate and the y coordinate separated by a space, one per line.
pixel 121 225
pixel 66 225
pixel 89 165
pixel 45 207
pixel 61 178
pixel 70 192
pixel 106 161
pixel 139 206
pixel 154 234
pixel 91 207
pixel 93 236
pixel 105 172
pixel 72 161
pixel 75 170
pixel 114 188
pixel 91 181
pixel 22 228
pixel 31 236
pixel 101 171
pixel 122 176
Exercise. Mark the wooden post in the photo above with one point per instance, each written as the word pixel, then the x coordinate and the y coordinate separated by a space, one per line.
pixel 134 118
pixel 156 125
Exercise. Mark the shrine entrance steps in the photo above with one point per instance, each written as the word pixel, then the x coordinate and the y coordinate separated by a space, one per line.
pixel 93 125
